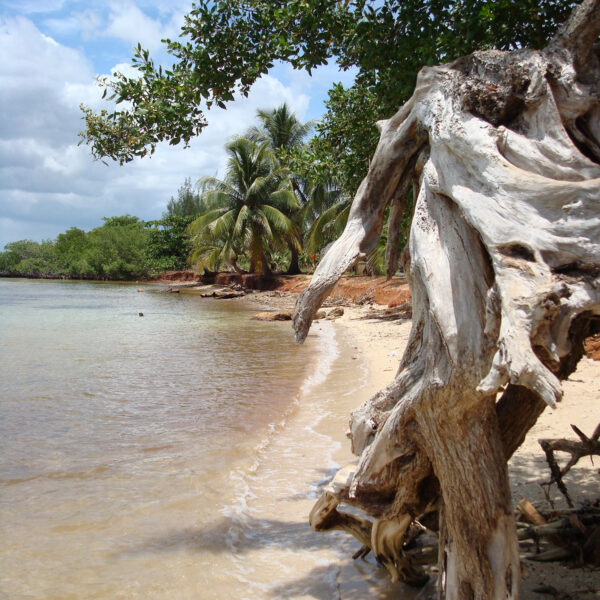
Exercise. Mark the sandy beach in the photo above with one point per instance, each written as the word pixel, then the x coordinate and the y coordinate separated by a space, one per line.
pixel 195 479
pixel 378 345
pixel 382 344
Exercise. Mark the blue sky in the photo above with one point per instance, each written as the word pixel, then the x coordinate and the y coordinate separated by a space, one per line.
pixel 52 51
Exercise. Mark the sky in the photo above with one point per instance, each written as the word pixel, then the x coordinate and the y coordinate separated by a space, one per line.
pixel 52 52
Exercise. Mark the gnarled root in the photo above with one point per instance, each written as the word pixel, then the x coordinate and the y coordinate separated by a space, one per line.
pixel 504 266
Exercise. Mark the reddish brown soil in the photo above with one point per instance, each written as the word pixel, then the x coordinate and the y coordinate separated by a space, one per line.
pixel 179 276
pixel 364 289
pixel 358 289
pixel 592 347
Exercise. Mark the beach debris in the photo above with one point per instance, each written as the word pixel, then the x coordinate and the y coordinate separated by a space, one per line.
pixel 529 511
pixel 279 315
pixel 397 313
pixel 577 449
pixel 223 294
pixel 567 535
pixel 140 314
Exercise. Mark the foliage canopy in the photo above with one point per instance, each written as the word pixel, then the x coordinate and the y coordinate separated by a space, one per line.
pixel 226 45
pixel 124 247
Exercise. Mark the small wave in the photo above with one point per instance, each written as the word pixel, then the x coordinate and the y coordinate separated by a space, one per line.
pixel 242 478
pixel 329 351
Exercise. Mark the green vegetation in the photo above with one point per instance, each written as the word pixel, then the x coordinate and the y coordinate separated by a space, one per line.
pixel 226 45
pixel 116 250
pixel 257 218
pixel 188 203
pixel 124 248
pixel 248 212
pixel 284 196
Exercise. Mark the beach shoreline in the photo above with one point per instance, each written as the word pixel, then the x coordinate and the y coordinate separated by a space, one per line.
pixel 224 515
pixel 380 344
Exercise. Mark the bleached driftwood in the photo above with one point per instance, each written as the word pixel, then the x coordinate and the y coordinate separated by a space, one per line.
pixel 504 264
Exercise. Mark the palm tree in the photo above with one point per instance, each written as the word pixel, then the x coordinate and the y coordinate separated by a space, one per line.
pixel 247 211
pixel 280 129
pixel 283 132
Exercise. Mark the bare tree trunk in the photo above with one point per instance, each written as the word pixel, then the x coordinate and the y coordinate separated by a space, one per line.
pixel 504 265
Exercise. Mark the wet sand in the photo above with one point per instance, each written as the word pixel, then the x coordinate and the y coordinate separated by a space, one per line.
pixel 369 351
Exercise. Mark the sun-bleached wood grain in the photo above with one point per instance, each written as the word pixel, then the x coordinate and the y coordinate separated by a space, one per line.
pixel 504 267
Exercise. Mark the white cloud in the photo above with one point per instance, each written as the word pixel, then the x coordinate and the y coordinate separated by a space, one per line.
pixel 48 183
pixel 87 24
pixel 35 80
pixel 130 24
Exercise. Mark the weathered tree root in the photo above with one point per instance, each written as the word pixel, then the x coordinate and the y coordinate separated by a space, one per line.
pixel 503 263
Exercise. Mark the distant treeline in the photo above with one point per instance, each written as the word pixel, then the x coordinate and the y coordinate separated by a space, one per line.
pixel 271 212
pixel 123 248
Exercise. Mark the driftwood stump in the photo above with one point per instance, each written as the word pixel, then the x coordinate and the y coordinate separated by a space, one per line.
pixel 503 260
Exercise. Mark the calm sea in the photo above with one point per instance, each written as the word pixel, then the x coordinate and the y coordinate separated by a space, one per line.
pixel 174 455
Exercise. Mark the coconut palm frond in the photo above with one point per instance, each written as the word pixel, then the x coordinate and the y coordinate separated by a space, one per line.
pixel 215 192
pixel 205 257
pixel 279 222
pixel 197 226
pixel 219 228
pixel 285 232
pixel 285 200
pixel 339 223
pixel 328 225
pixel 255 134
pixel 281 129
pixel 240 222
pixel 259 190
pixel 262 224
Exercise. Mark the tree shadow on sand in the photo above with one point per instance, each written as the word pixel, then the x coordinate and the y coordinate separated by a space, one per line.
pixel 527 473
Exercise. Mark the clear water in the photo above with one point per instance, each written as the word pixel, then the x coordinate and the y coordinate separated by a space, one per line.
pixel 174 455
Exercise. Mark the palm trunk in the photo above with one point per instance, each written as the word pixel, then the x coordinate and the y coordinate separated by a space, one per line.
pixel 265 268
pixel 294 268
